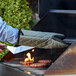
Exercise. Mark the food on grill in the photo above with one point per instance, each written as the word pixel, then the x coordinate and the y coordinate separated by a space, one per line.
pixel 26 63
pixel 22 62
pixel 38 65
pixel 41 63
pixel 45 61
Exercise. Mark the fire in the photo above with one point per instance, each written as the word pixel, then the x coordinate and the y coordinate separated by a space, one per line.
pixel 29 59
pixel 27 72
pixel 33 50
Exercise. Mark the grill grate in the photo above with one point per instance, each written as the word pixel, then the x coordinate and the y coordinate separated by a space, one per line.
pixel 25 68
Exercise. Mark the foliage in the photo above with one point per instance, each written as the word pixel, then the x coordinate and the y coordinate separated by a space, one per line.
pixel 2 54
pixel 16 13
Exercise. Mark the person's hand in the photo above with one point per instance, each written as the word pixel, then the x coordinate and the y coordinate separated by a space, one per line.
pixel 2 45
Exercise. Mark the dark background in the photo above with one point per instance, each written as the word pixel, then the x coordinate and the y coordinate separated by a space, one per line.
pixel 59 23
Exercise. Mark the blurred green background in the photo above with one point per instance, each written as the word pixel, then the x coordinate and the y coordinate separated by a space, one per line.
pixel 18 14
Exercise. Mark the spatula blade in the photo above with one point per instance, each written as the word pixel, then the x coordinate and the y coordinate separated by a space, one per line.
pixel 18 49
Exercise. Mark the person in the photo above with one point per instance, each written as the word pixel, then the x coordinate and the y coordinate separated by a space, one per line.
pixel 7 34
pixel 37 39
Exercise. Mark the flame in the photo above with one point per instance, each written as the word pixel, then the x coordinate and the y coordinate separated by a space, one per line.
pixel 33 50
pixel 29 59
pixel 27 72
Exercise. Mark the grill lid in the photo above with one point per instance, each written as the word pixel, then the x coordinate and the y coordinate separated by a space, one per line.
pixel 64 22
pixel 65 64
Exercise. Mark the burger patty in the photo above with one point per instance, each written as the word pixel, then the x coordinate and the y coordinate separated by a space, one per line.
pixel 25 63
pixel 22 62
pixel 38 65
pixel 45 61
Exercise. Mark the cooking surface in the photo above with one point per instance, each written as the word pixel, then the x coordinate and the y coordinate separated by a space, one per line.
pixel 25 68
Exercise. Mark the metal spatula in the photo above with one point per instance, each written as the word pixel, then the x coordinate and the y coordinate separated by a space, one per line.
pixel 18 49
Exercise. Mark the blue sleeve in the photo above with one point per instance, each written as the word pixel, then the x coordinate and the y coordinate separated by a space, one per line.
pixel 8 33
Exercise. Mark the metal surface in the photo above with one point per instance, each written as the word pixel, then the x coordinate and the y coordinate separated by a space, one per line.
pixel 46 5
pixel 65 64
pixel 25 69
pixel 9 71
pixel 63 11
pixel 17 49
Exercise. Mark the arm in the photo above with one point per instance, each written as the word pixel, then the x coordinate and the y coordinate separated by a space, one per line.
pixel 8 33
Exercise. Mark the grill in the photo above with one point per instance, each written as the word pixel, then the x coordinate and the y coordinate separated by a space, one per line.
pixel 12 62
pixel 63 59
pixel 63 62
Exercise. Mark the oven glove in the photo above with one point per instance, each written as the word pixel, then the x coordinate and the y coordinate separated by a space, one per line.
pixel 39 39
